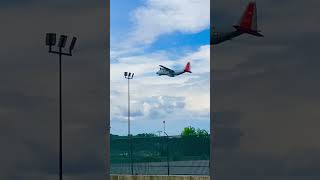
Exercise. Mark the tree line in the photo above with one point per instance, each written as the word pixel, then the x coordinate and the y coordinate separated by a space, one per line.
pixel 187 131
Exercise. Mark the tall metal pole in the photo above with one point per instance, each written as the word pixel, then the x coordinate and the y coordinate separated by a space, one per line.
pixel 167 137
pixel 51 41
pixel 168 159
pixel 128 107
pixel 131 155
pixel 60 115
pixel 131 159
pixel 129 76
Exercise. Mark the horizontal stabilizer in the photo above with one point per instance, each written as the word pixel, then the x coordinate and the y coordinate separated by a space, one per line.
pixel 248 31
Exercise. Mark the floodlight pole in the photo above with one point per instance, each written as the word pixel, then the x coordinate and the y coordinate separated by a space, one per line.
pixel 60 114
pixel 129 126
pixel 129 76
pixel 164 131
pixel 60 53
pixel 60 110
pixel 128 106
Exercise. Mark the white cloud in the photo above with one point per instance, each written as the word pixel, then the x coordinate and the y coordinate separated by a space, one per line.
pixel 160 17
pixel 142 65
pixel 180 100
pixel 160 97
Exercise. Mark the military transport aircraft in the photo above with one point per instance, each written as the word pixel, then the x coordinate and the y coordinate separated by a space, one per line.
pixel 169 72
pixel 247 24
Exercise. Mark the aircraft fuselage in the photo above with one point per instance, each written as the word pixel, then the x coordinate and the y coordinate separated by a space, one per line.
pixel 218 38
pixel 173 74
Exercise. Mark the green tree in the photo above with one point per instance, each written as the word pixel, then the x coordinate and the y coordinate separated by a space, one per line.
pixel 191 131
pixel 202 132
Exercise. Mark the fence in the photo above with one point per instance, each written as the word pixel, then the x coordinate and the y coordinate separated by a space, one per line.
pixel 168 155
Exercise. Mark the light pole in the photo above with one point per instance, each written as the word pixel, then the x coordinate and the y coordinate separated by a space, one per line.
pixel 164 131
pixel 51 41
pixel 164 128
pixel 129 75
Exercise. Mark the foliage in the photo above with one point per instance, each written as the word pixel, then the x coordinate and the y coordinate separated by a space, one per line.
pixel 191 131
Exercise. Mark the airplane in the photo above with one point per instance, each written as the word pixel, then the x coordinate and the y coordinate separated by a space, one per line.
pixel 169 72
pixel 247 24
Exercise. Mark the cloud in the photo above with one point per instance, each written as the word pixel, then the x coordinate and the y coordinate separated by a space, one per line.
pixel 166 104
pixel 162 17
pixel 180 101
pixel 162 97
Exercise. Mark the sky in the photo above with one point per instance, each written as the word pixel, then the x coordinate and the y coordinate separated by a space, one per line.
pixel 145 34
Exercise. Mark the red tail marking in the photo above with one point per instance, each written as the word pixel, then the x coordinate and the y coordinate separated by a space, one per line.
pixel 246 20
pixel 187 68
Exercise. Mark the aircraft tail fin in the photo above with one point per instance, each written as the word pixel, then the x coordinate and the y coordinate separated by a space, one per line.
pixel 248 22
pixel 187 68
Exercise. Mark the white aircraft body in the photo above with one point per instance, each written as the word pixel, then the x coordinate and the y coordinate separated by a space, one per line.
pixel 172 73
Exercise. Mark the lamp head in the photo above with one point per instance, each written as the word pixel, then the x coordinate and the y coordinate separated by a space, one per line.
pixel 62 41
pixel 50 39
pixel 73 43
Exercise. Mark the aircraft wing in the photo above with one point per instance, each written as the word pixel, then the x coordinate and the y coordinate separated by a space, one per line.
pixel 167 69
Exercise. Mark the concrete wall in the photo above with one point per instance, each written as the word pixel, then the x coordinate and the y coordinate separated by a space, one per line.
pixel 146 177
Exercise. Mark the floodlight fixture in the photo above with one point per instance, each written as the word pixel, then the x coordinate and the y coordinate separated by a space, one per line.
pixel 50 39
pixel 128 75
pixel 73 43
pixel 62 41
